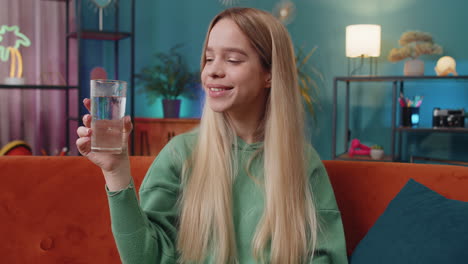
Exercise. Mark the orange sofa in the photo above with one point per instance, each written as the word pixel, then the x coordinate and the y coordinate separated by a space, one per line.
pixel 54 209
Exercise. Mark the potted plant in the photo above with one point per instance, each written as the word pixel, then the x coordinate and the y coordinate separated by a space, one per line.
pixel 414 44
pixel 377 152
pixel 308 85
pixel 168 77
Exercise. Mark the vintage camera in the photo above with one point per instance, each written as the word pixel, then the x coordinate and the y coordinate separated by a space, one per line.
pixel 448 117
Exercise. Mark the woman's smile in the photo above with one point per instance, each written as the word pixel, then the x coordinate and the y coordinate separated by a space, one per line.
pixel 218 90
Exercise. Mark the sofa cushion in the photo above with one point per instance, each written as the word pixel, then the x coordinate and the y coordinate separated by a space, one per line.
pixel 418 226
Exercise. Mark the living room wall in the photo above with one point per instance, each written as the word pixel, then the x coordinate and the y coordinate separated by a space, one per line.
pixel 321 23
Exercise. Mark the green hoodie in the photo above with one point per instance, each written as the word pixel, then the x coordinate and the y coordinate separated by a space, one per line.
pixel 145 231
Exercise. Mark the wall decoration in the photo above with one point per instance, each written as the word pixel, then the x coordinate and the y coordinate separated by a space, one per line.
pixel 16 61
pixel 285 11
pixel 100 5
pixel 228 2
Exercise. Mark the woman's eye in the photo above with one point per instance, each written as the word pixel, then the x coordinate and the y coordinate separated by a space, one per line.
pixel 234 61
pixel 208 59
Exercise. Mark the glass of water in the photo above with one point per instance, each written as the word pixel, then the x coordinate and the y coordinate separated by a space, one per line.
pixel 107 110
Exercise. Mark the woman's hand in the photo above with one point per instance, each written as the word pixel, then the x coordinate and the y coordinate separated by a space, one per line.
pixel 115 167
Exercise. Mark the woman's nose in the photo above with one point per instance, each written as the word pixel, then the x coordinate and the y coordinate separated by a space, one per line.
pixel 216 69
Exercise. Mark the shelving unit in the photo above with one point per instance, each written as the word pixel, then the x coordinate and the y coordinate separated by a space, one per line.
pixel 345 156
pixel 33 87
pixel 80 35
pixel 101 35
pixel 438 130
pixel 397 83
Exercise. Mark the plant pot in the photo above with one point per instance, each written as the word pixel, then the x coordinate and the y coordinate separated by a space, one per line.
pixel 377 154
pixel 171 108
pixel 414 67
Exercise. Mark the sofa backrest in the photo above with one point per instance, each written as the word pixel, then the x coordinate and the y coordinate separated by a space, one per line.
pixel 364 189
pixel 54 209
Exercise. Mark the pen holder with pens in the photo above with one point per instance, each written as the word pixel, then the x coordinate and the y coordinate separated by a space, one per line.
pixel 410 116
pixel 410 110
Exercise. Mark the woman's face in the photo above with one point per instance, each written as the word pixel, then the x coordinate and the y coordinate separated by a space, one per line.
pixel 233 77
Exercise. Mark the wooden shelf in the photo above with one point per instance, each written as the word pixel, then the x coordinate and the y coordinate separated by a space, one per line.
pixel 167 120
pixel 345 156
pixel 451 162
pixel 41 87
pixel 436 130
pixel 100 35
pixel 397 78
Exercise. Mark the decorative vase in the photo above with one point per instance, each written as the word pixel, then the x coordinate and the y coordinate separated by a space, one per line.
pixel 414 67
pixel 171 108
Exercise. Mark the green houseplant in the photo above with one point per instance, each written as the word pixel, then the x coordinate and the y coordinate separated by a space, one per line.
pixel 377 152
pixel 307 75
pixel 168 77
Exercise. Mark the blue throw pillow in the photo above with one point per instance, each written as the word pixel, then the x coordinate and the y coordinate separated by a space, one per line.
pixel 418 226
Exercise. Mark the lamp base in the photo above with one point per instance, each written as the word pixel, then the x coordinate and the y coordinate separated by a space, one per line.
pixel 358 66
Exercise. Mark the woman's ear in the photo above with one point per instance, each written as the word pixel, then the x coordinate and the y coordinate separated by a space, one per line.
pixel 268 81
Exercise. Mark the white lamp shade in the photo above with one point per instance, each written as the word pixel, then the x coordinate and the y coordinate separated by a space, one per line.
pixel 363 40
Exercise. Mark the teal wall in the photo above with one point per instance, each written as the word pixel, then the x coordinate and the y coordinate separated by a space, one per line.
pixel 161 24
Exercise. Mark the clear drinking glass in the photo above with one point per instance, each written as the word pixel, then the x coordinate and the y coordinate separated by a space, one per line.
pixel 107 110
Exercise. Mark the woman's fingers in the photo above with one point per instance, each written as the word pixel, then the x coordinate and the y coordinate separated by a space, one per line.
pixel 87 104
pixel 127 125
pixel 83 131
pixel 127 128
pixel 84 145
pixel 87 120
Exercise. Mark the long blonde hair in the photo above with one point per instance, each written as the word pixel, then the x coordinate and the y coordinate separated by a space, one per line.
pixel 288 224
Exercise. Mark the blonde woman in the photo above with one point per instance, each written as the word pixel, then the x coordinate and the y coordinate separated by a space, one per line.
pixel 245 187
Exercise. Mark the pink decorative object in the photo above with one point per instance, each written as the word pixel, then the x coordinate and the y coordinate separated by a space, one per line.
pixel 358 149
pixel 98 73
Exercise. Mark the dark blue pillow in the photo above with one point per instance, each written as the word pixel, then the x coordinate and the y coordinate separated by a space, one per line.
pixel 418 226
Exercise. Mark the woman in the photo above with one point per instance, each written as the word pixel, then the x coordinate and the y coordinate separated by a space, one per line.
pixel 243 188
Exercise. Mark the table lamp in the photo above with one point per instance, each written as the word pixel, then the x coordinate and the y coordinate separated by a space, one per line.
pixel 363 41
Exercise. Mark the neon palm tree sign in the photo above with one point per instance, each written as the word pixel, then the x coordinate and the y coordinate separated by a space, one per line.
pixel 16 64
